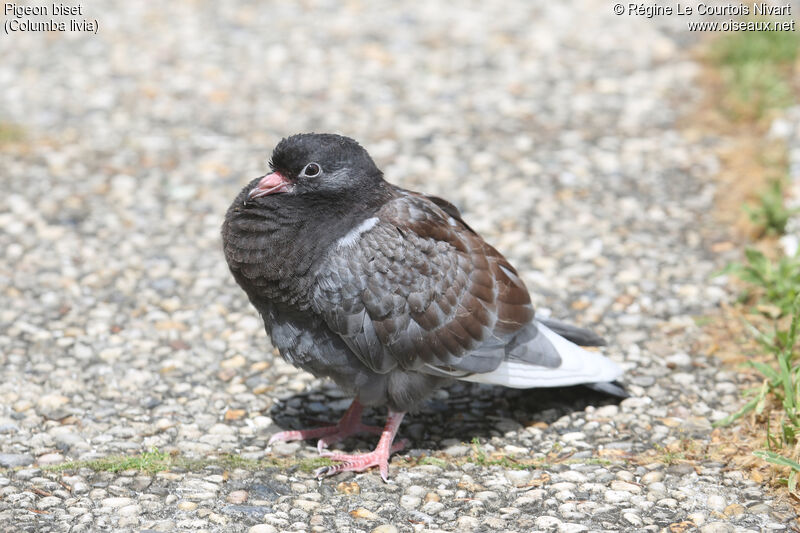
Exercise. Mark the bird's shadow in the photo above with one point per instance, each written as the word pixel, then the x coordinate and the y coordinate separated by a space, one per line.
pixel 462 411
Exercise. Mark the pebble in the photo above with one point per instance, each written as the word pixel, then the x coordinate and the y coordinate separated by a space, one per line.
pixel 716 502
pixel 48 502
pixel 13 460
pixel 410 502
pixel 632 519
pixel 385 528
pixel 262 528
pixel 432 508
pixel 547 522
pixel 518 478
pixel 617 496
pixel 717 527
pixel 457 450
pixel 652 477
pixel 237 497
pixel 467 523
pixel 116 503
pixel 50 459
pixel 626 487
pixel 306 505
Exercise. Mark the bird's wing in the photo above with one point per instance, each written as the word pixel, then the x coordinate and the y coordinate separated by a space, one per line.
pixel 414 287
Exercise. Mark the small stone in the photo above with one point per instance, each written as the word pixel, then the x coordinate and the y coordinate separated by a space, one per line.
pixel 717 527
pixel 285 448
pixel 348 487
pixel 409 502
pixel 632 519
pixel 680 359
pixel 734 509
pixel 50 459
pixel 79 487
pixel 625 475
pixel 237 361
pixel 697 518
pixel 234 414
pixel 518 478
pixel 12 460
pixel 716 502
pixel 187 506
pixel 569 527
pixel 52 401
pixel 8 428
pixel 22 406
pixel 306 505
pixel 237 497
pixel 547 522
pixel 486 495
pixel 364 514
pixel 625 486
pixel 116 503
pixel 467 523
pixel 760 508
pixel 385 528
pixel 652 477
pixel 47 502
pixel 432 508
pixel 606 411
pixel 574 436
pixel 617 496
pixel 672 503
pixel 457 450
pixel 636 403
pixel 262 528
pixel 129 510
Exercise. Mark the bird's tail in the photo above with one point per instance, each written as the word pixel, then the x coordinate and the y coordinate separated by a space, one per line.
pixel 577 366
pixel 580 336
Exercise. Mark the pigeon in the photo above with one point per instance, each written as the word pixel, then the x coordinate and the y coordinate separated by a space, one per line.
pixel 388 292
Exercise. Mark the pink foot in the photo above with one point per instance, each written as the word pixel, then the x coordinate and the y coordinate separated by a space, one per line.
pixel 350 424
pixel 379 457
pixel 360 461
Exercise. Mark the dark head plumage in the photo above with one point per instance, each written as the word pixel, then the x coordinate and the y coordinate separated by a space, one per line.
pixel 323 162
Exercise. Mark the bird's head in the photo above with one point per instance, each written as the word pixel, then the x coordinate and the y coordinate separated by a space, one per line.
pixel 316 164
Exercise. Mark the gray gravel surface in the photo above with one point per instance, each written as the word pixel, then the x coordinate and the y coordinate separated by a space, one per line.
pixel 552 126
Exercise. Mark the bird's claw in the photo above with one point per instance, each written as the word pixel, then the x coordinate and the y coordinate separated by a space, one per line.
pixel 360 462
pixel 321 472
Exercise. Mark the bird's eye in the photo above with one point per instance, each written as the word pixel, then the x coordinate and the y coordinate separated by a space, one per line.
pixel 312 169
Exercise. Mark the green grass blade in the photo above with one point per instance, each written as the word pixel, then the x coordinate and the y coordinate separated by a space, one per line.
pixel 746 408
pixel 766 370
pixel 777 459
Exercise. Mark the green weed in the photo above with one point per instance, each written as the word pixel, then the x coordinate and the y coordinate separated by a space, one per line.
pixel 780 385
pixel 771 283
pixel 151 462
pixel 770 214
pixel 756 71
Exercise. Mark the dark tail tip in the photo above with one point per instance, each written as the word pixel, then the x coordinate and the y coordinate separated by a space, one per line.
pixel 612 388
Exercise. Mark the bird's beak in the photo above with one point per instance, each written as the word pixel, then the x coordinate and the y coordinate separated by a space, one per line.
pixel 270 184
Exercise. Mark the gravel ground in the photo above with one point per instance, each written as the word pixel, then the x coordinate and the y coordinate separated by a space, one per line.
pixel 552 126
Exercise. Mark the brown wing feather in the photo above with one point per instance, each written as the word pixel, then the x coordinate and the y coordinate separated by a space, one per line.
pixel 425 289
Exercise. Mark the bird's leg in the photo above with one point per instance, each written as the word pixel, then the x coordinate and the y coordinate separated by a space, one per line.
pixel 379 457
pixel 349 424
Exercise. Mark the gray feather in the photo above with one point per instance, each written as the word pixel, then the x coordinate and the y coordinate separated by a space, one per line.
pixel 580 336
